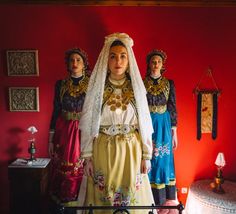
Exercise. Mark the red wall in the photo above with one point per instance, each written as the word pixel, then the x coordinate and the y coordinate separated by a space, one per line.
pixel 193 38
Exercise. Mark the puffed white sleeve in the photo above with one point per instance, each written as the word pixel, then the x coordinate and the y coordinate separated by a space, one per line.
pixel 147 149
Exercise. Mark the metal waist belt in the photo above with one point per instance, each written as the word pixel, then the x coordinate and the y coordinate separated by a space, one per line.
pixel 158 109
pixel 67 115
pixel 118 129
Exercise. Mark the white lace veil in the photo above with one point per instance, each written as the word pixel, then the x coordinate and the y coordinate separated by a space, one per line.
pixel 91 114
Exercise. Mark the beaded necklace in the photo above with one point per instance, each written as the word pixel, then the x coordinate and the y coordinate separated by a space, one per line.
pixel 74 90
pixel 162 86
pixel 117 97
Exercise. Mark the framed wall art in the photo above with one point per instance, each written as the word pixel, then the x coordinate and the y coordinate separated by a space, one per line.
pixel 24 99
pixel 22 63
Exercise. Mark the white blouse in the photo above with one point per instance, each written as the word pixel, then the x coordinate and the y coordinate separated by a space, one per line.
pixel 113 115
pixel 118 116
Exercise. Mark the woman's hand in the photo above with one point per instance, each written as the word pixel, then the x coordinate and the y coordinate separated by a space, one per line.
pixel 88 167
pixel 145 166
pixel 174 138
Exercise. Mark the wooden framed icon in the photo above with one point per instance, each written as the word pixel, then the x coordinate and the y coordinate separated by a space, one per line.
pixel 24 99
pixel 22 63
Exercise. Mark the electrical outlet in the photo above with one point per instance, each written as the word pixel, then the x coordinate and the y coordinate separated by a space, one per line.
pixel 184 190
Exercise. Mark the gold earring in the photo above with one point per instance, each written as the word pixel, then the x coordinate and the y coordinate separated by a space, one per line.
pixel 83 70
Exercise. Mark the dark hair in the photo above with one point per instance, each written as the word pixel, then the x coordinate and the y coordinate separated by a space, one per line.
pixel 79 51
pixel 152 53
pixel 117 43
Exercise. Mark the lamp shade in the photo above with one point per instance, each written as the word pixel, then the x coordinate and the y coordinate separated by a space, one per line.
pixel 220 160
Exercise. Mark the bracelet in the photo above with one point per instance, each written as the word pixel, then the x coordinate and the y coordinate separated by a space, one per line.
pixel 146 158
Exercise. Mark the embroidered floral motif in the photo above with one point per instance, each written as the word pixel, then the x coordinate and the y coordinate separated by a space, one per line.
pixel 120 199
pixel 122 196
pixel 125 200
pixel 138 181
pixel 156 152
pixel 161 150
pixel 80 163
pixel 117 199
pixel 69 169
pixel 99 180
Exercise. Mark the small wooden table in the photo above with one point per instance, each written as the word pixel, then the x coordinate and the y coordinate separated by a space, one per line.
pixel 28 186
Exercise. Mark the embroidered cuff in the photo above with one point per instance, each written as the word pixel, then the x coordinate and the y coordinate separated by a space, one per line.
pixel 146 157
pixel 86 154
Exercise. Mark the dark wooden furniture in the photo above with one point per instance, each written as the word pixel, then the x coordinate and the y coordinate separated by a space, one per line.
pixel 29 186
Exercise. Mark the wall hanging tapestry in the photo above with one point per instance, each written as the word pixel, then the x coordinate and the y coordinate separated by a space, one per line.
pixel 207 106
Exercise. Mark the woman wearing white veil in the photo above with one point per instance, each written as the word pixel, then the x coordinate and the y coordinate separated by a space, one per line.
pixel 116 129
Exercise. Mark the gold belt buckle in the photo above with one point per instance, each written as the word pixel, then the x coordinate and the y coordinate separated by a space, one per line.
pixel 117 129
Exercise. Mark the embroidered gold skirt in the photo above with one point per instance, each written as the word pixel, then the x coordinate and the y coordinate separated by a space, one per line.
pixel 117 179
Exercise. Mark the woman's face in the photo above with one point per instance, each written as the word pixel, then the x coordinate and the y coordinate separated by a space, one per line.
pixel 155 65
pixel 76 65
pixel 118 62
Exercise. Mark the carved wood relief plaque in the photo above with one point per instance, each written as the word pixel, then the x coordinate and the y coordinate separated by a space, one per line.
pixel 24 99
pixel 22 63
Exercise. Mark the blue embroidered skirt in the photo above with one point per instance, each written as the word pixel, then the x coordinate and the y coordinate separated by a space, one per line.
pixel 162 174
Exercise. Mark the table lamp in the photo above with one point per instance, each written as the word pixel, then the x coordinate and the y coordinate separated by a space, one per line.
pixel 32 149
pixel 219 180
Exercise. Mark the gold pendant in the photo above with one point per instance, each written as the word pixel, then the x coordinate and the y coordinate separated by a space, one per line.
pixel 113 108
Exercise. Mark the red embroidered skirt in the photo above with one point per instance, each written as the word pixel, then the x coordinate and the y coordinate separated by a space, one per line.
pixel 66 171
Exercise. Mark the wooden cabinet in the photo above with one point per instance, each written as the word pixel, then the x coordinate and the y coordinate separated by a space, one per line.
pixel 29 186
